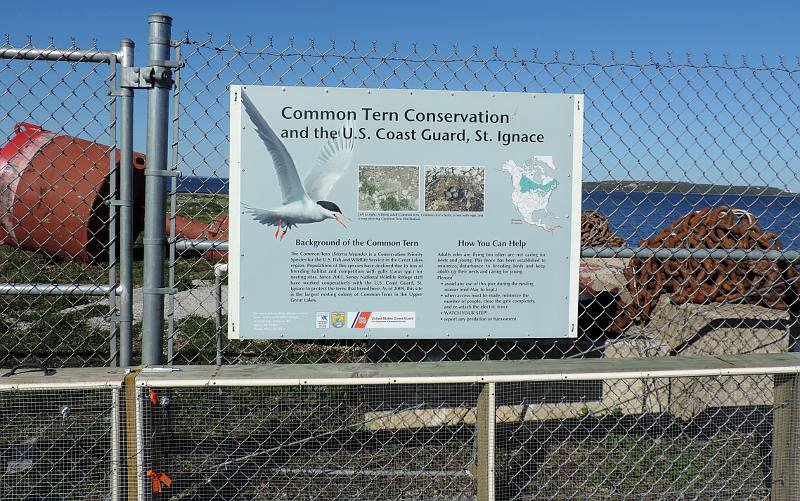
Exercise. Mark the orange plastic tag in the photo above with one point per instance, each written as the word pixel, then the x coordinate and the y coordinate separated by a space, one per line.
pixel 153 397
pixel 159 478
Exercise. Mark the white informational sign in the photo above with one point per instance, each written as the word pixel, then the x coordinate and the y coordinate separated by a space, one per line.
pixel 381 214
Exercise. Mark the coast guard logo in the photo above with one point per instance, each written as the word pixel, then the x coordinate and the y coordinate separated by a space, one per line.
pixel 338 319
pixel 361 319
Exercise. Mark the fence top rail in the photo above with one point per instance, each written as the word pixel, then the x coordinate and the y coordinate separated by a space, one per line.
pixel 693 253
pixel 57 289
pixel 186 244
pixel 468 372
pixel 54 54
pixel 67 378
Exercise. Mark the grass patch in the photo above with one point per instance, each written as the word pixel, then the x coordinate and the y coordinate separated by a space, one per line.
pixel 189 270
pixel 23 266
pixel 634 465
pixel 366 185
pixel 392 203
pixel 70 331
pixel 55 334
pixel 200 206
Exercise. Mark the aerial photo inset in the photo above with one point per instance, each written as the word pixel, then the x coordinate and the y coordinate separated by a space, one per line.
pixel 388 188
pixel 454 189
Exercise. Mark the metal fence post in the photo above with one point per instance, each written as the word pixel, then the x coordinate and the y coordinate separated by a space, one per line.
pixel 126 212
pixel 155 208
pixel 219 270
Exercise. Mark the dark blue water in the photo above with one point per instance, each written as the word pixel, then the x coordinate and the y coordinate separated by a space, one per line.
pixel 194 184
pixel 636 216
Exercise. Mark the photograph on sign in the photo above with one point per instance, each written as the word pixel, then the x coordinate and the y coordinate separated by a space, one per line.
pixel 397 214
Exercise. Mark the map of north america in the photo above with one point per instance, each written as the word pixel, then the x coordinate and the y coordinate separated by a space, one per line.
pixel 532 189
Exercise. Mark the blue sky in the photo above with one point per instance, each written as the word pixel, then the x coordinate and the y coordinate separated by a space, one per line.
pixel 643 122
pixel 734 27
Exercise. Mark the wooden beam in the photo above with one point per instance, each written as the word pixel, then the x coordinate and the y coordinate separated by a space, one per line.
pixel 470 372
pixel 484 427
pixel 785 438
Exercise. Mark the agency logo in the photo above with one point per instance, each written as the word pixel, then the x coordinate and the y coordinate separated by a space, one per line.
pixel 323 320
pixel 338 319
pixel 361 319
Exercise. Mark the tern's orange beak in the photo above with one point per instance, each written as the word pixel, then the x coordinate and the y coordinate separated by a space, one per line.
pixel 337 216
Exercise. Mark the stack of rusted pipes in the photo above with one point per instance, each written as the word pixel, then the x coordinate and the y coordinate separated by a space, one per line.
pixel 771 284
pixel 596 231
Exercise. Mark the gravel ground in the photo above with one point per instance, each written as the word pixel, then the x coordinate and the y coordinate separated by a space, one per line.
pixel 198 301
pixel 391 188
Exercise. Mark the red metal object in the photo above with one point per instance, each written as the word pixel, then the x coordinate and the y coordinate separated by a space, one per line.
pixel 52 189
pixel 217 229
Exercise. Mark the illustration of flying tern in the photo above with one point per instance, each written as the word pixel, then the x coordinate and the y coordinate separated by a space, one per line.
pixel 303 202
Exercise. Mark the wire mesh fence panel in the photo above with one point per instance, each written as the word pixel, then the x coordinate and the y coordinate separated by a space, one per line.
pixel 688 437
pixel 679 438
pixel 330 442
pixel 679 153
pixel 56 444
pixel 57 225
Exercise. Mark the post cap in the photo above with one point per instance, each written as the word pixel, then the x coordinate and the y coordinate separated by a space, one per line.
pixel 159 17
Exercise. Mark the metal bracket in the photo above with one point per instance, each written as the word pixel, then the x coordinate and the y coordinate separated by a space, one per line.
pixel 167 64
pixel 119 203
pixel 162 173
pixel 147 77
pixel 160 291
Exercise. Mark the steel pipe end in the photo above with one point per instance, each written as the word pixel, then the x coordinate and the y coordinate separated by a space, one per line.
pixel 159 17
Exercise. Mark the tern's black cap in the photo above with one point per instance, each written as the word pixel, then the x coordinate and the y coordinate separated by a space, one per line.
pixel 330 206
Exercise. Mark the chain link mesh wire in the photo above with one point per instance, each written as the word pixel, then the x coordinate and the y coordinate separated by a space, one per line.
pixel 659 132
pixel 679 153
pixel 675 438
pixel 57 132
pixel 56 444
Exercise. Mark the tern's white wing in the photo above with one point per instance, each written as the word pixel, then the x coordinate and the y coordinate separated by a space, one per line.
pixel 334 159
pixel 289 181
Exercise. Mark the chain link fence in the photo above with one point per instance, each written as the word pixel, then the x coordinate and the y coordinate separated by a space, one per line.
pixel 689 236
pixel 690 227
pixel 58 219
